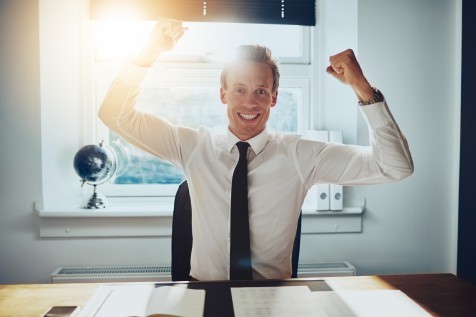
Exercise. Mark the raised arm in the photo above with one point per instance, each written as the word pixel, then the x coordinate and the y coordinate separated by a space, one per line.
pixel 387 158
pixel 118 109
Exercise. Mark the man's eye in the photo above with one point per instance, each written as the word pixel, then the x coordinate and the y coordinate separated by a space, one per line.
pixel 261 91
pixel 239 90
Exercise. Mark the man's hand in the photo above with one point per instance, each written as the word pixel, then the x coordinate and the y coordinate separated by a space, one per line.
pixel 345 67
pixel 164 36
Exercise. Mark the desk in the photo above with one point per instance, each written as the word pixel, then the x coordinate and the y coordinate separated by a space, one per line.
pixel 440 294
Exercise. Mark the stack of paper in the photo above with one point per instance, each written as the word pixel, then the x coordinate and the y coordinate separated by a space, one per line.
pixel 388 303
pixel 145 300
pixel 284 301
pixel 299 301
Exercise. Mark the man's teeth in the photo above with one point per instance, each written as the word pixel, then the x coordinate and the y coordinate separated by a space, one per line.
pixel 248 116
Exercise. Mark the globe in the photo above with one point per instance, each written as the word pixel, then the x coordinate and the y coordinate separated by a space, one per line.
pixel 95 165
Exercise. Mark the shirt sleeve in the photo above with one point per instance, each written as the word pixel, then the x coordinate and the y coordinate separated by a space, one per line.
pixel 386 159
pixel 146 131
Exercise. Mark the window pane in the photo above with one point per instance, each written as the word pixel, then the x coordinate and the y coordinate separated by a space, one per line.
pixel 116 40
pixel 191 107
pixel 138 167
pixel 284 115
pixel 220 39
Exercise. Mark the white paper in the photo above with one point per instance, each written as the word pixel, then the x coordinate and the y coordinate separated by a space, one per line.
pixel 283 301
pixel 176 300
pixel 378 303
pixel 120 300
pixel 130 300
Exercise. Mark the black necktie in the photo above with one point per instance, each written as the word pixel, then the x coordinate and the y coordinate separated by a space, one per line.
pixel 240 255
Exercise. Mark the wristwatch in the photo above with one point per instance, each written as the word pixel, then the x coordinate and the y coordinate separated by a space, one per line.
pixel 377 97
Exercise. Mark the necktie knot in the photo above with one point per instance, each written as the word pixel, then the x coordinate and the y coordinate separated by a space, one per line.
pixel 242 148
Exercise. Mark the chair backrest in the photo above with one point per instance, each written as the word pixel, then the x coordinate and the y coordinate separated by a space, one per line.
pixel 182 236
pixel 296 247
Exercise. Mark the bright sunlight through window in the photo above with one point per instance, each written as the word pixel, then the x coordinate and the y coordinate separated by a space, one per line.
pixel 209 41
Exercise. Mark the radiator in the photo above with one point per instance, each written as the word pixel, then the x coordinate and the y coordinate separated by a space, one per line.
pixel 323 269
pixel 112 274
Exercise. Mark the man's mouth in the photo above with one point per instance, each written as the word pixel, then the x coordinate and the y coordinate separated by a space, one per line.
pixel 248 117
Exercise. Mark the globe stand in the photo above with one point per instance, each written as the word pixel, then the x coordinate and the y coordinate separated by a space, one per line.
pixel 95 165
pixel 97 201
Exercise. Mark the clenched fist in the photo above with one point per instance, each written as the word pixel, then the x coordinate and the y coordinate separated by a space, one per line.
pixel 164 36
pixel 345 67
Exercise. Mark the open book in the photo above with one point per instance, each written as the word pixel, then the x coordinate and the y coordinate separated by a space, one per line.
pixel 145 300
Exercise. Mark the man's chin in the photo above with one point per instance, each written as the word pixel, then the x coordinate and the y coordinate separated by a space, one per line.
pixel 250 133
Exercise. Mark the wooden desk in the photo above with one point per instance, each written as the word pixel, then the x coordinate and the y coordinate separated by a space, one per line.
pixel 440 294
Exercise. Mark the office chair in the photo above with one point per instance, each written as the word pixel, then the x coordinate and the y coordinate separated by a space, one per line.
pixel 182 236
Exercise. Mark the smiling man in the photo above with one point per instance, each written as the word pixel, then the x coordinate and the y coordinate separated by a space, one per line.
pixel 249 88
pixel 280 168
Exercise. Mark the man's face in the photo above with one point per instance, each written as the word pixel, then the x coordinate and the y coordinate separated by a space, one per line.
pixel 249 98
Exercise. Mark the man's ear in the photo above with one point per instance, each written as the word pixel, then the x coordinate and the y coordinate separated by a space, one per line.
pixel 223 96
pixel 274 98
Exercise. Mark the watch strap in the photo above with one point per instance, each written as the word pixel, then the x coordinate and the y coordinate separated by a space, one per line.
pixel 377 97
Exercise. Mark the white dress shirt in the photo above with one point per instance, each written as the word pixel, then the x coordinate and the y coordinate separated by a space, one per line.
pixel 281 169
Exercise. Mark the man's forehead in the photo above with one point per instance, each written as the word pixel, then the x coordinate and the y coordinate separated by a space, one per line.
pixel 250 71
pixel 244 64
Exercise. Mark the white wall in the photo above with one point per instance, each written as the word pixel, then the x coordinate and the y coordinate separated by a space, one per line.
pixel 407 48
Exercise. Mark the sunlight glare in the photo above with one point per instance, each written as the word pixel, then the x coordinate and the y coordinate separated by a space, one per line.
pixel 120 40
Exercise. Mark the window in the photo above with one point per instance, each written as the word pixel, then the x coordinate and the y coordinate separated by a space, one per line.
pixel 73 81
pixel 189 76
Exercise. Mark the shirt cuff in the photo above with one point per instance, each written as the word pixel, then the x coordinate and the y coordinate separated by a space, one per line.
pixel 132 75
pixel 377 115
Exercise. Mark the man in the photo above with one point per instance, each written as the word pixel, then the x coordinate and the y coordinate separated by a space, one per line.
pixel 281 168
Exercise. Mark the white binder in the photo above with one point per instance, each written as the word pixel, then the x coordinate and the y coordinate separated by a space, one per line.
pixel 317 197
pixel 336 191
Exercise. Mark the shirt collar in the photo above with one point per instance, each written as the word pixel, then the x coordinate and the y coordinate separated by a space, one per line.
pixel 257 142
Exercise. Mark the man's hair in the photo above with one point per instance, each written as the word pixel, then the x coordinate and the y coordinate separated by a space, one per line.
pixel 252 53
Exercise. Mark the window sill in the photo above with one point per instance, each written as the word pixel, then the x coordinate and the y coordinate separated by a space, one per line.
pixel 154 218
pixel 150 218
pixel 116 209
pixel 347 220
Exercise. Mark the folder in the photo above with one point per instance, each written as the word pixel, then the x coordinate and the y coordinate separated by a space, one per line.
pixel 317 197
pixel 336 191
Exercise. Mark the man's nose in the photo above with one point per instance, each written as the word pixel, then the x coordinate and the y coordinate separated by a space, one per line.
pixel 251 101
